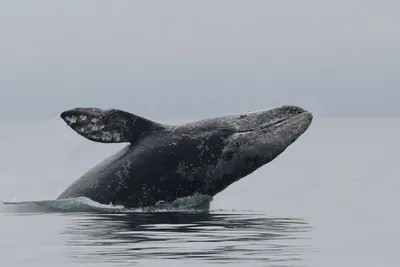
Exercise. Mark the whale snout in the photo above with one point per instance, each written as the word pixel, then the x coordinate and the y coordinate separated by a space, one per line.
pixel 295 121
pixel 290 114
pixel 69 117
pixel 308 117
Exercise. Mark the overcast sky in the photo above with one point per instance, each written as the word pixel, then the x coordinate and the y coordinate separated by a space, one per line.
pixel 195 59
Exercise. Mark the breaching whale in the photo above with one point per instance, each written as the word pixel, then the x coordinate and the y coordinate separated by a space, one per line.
pixel 165 162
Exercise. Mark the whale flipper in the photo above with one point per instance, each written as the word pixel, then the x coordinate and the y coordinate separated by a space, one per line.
pixel 109 126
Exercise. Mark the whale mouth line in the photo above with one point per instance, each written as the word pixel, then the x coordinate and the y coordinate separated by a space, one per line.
pixel 267 125
pixel 276 123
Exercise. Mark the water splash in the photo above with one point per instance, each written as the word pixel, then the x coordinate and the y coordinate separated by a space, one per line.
pixel 195 203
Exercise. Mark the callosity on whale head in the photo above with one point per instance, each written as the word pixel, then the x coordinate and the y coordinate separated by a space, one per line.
pixel 163 163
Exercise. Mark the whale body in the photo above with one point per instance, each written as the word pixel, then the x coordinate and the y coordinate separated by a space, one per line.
pixel 166 162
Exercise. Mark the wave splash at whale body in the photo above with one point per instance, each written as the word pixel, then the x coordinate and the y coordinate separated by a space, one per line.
pixel 195 203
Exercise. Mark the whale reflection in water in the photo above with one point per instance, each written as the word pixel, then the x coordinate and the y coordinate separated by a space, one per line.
pixel 219 238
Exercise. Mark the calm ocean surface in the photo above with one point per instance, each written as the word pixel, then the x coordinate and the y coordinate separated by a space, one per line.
pixel 331 199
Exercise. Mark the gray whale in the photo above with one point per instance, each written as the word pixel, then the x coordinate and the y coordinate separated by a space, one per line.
pixel 165 162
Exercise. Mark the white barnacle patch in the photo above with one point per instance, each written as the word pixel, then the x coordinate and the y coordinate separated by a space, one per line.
pixel 94 120
pixel 71 120
pixel 116 137
pixel 93 127
pixel 107 136
pixel 82 117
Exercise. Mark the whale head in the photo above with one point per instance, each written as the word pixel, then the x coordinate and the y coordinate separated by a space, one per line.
pixel 255 139
pixel 237 145
pixel 262 135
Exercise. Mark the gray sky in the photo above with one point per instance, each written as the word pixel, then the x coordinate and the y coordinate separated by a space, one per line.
pixel 195 59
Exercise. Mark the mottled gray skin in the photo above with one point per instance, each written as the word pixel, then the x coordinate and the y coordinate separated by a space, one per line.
pixel 164 163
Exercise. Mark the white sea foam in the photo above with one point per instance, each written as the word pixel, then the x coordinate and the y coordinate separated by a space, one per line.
pixel 195 203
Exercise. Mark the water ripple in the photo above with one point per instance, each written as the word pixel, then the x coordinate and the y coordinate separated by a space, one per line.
pixel 212 237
